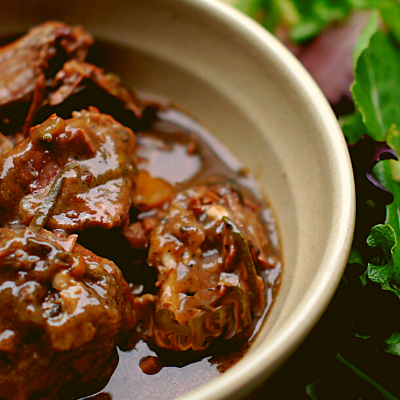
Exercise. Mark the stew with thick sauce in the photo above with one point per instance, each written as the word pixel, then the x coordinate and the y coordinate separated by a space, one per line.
pixel 125 234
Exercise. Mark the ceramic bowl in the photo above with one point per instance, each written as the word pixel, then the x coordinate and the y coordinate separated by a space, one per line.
pixel 260 102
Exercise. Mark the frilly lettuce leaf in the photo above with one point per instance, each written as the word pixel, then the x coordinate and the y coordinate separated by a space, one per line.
pixel 384 268
pixel 382 238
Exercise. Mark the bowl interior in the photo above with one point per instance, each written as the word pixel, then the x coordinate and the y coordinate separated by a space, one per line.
pixel 243 85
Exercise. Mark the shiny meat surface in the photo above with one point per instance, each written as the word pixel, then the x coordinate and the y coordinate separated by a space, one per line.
pixel 207 250
pixel 89 156
pixel 26 66
pixel 62 312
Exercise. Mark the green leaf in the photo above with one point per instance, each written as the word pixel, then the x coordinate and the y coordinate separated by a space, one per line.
pixel 311 389
pixel 315 15
pixel 383 172
pixel 377 73
pixel 393 344
pixel 391 288
pixel 380 273
pixel 250 7
pixel 358 335
pixel 382 237
pixel 270 13
pixel 363 41
pixel 363 278
pixel 355 257
pixel 368 4
pixel 390 12
pixel 353 127
pixel 393 140
pixel 306 18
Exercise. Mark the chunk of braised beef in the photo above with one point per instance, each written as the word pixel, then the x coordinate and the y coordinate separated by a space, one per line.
pixel 81 84
pixel 63 310
pixel 76 74
pixel 136 236
pixel 207 249
pixel 91 152
pixel 28 64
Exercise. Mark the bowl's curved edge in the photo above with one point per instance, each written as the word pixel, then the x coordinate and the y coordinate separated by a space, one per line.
pixel 241 378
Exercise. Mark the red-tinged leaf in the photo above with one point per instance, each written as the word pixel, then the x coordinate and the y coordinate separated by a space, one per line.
pixel 329 57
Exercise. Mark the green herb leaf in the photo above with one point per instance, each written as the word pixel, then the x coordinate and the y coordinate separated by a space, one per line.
pixel 377 73
pixel 355 257
pixel 363 41
pixel 353 127
pixel 380 273
pixel 270 13
pixel 311 389
pixel 390 12
pixel 363 278
pixel 382 237
pixel 393 344
pixel 383 172
pixel 393 140
pixel 358 335
pixel 316 15
pixel 362 4
pixel 307 18
pixel 391 288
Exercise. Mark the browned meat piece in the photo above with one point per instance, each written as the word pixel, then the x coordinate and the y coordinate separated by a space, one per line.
pixel 63 310
pixel 79 85
pixel 89 159
pixel 207 250
pixel 28 63
pixel 71 78
pixel 136 236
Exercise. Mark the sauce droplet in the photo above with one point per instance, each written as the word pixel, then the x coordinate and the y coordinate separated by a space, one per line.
pixel 150 365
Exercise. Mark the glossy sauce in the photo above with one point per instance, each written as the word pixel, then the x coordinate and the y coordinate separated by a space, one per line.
pixel 182 151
